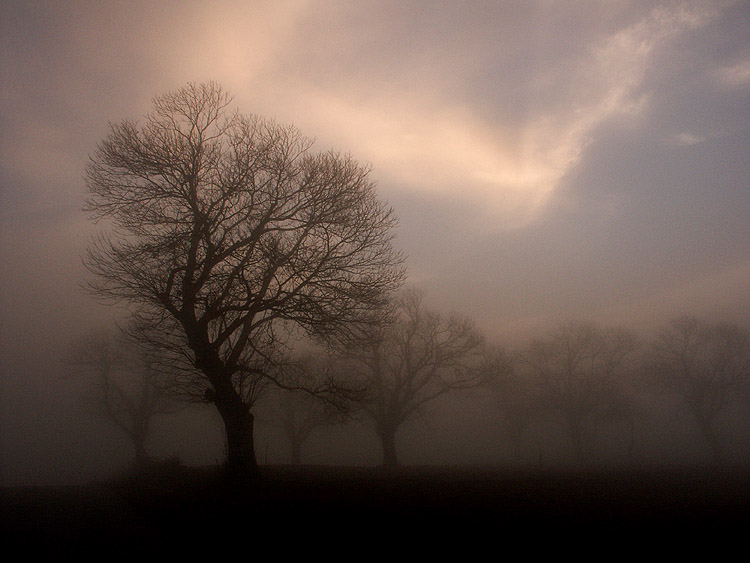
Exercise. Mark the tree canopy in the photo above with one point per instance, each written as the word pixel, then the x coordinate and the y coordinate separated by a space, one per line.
pixel 227 233
pixel 414 359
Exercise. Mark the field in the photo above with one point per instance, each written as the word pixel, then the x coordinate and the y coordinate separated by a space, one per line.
pixel 195 509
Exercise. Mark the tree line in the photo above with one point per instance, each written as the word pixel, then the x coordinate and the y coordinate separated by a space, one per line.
pixel 251 262
pixel 587 376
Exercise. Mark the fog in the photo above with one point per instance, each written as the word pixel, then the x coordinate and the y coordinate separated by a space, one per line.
pixel 547 163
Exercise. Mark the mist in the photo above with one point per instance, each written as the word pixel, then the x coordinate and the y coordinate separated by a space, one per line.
pixel 547 164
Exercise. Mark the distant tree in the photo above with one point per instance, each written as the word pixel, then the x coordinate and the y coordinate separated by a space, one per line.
pixel 301 414
pixel 706 365
pixel 413 360
pixel 582 369
pixel 517 400
pixel 298 412
pixel 122 386
pixel 229 232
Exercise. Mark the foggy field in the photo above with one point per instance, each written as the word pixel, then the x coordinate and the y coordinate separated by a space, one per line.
pixel 185 507
pixel 469 274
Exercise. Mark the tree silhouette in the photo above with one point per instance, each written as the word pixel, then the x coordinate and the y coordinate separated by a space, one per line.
pixel 122 385
pixel 517 399
pixel 413 360
pixel 229 232
pixel 581 369
pixel 707 366
pixel 299 412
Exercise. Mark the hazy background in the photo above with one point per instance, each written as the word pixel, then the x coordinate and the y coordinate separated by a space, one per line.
pixel 548 161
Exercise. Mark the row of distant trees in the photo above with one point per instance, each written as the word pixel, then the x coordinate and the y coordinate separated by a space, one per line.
pixel 234 246
pixel 590 376
pixel 594 376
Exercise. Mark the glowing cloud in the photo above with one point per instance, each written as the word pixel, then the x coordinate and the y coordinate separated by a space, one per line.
pixel 420 141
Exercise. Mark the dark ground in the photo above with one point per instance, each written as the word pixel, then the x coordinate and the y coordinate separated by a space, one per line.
pixel 314 508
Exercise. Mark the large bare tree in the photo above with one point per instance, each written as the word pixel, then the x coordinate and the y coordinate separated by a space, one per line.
pixel 413 360
pixel 227 231
pixel 706 365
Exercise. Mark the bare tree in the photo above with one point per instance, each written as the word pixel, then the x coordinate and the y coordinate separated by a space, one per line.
pixel 228 232
pixel 299 413
pixel 707 366
pixel 413 360
pixel 581 369
pixel 122 386
pixel 517 400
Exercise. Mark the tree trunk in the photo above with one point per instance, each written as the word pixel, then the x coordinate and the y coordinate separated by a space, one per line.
pixel 138 433
pixel 295 451
pixel 631 437
pixel 241 461
pixel 388 440
pixel 238 427
pixel 711 438
pixel 516 441
pixel 575 430
pixel 142 458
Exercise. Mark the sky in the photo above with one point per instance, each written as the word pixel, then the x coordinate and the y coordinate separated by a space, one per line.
pixel 547 160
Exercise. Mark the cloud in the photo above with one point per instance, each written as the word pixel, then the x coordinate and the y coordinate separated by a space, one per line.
pixel 234 41
pixel 688 139
pixel 415 122
pixel 712 295
pixel 420 137
pixel 435 148
pixel 734 76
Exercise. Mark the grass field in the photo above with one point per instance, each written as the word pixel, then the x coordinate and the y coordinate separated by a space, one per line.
pixel 183 507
